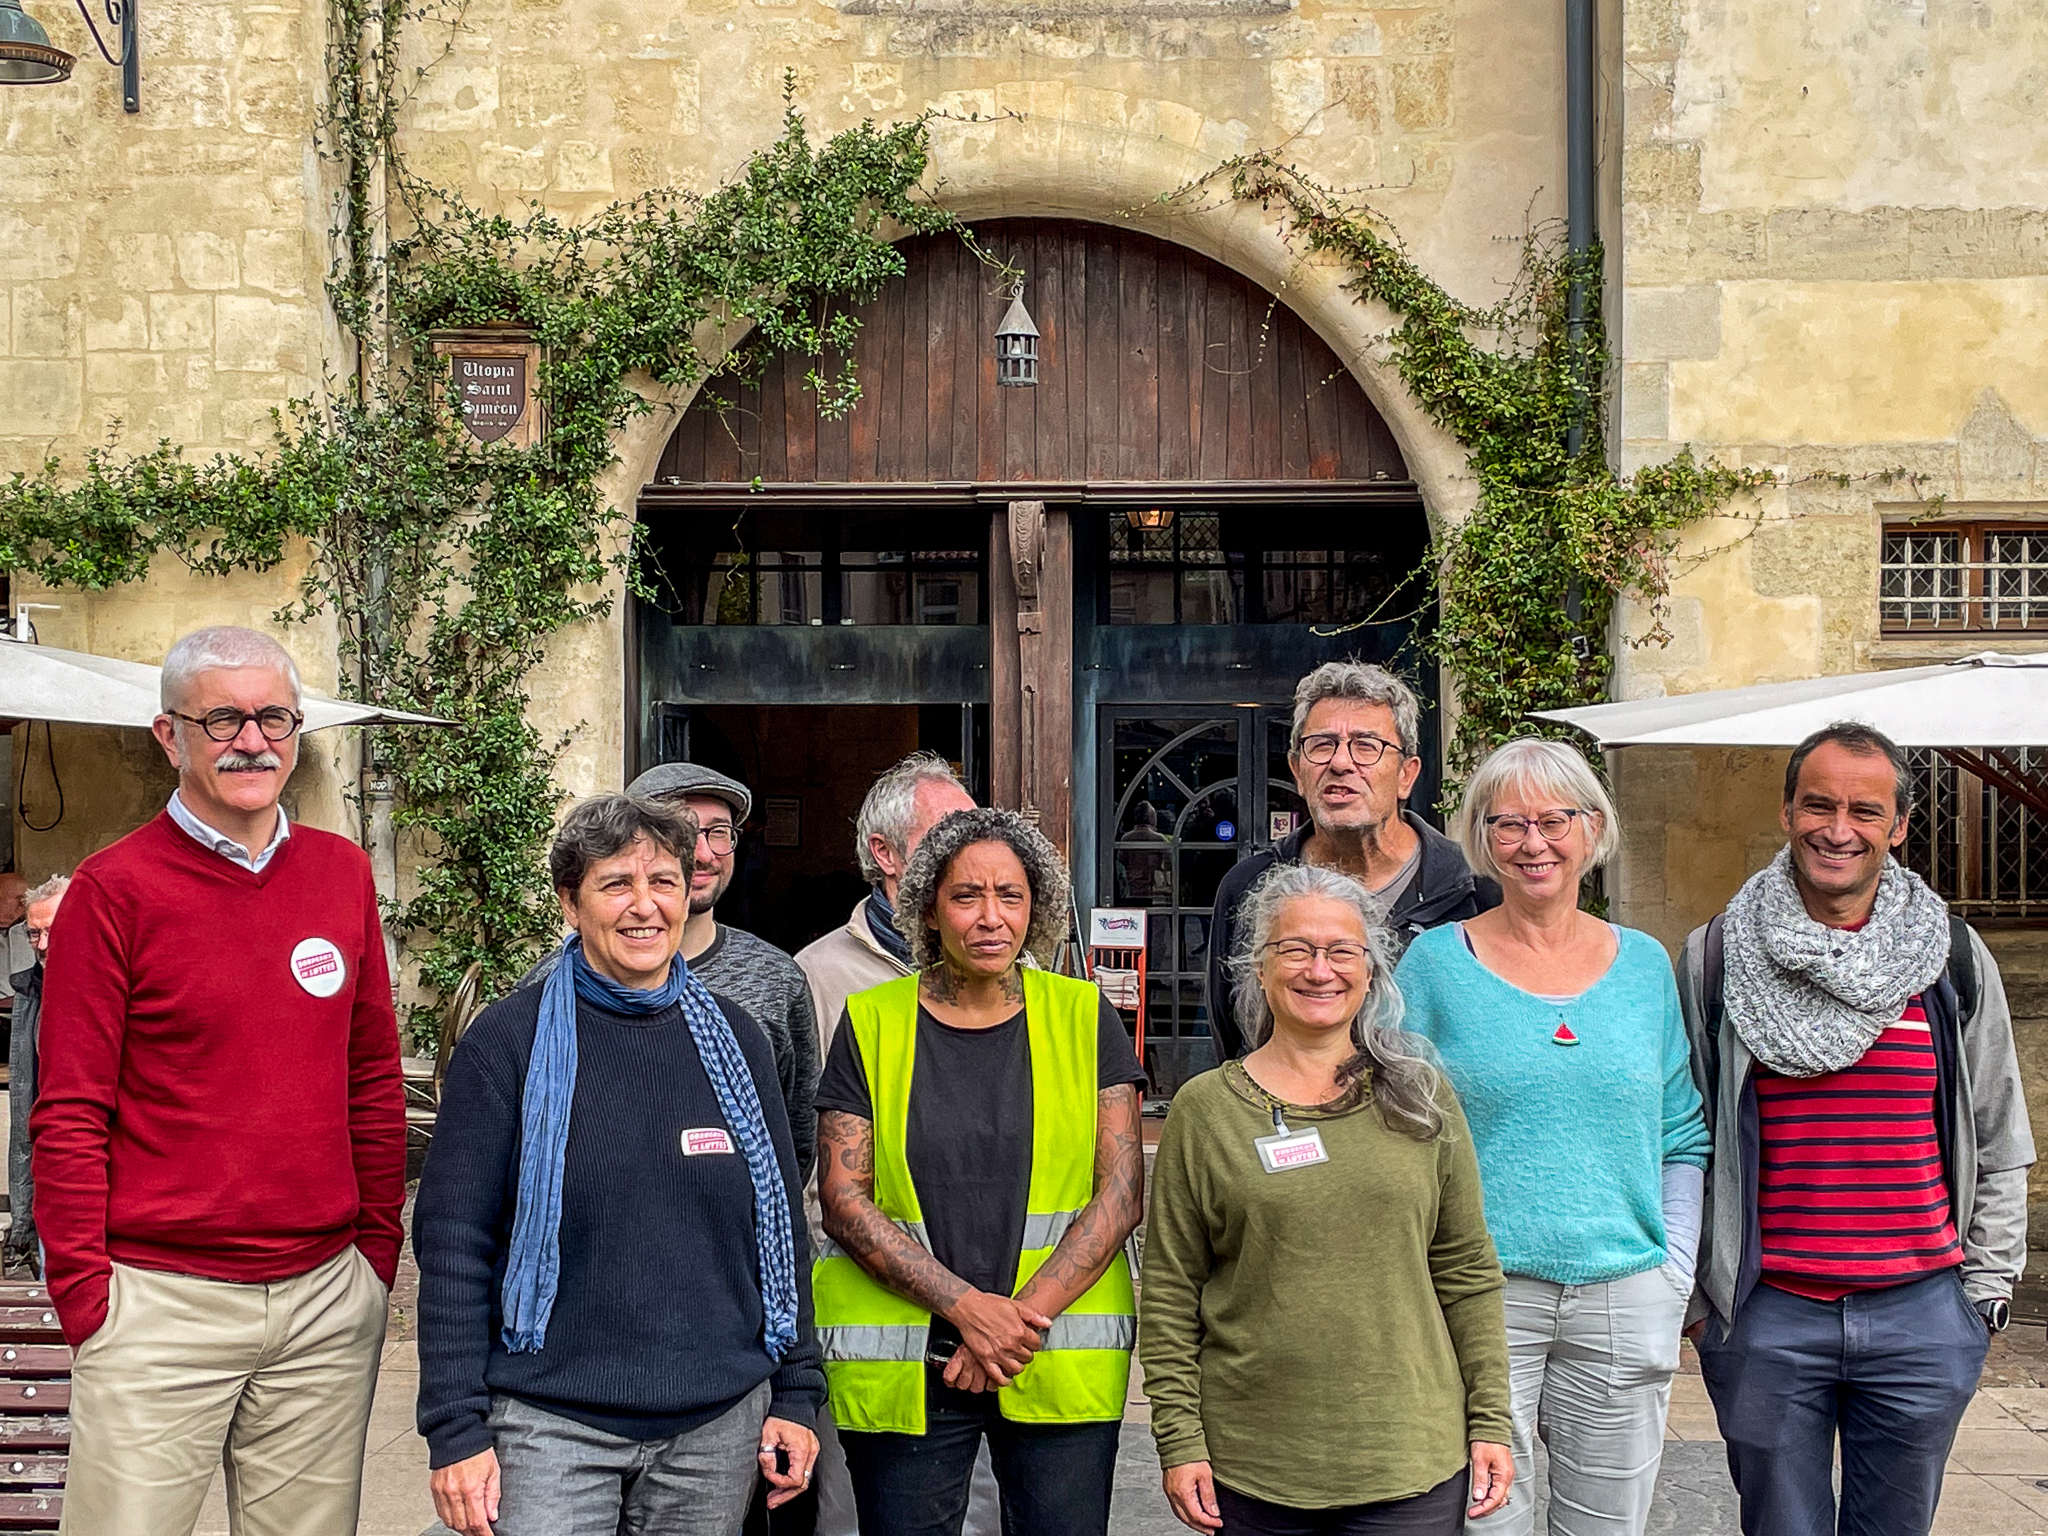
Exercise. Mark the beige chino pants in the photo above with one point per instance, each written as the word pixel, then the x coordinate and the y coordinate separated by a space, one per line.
pixel 185 1373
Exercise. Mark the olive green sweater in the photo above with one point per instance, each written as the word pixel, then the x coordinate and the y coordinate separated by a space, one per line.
pixel 1328 1335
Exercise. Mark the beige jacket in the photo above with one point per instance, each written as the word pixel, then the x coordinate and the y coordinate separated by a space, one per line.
pixel 847 960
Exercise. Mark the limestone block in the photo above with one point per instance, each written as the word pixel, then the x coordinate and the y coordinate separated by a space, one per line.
pixel 185 96
pixel 1834 243
pixel 46 321
pixel 456 97
pixel 1650 29
pixel 179 322
pixel 279 108
pixel 178 156
pixel 1360 36
pixel 244 420
pixel 582 167
pixel 1834 557
pixel 117 322
pixel 35 179
pixel 1359 89
pixel 127 373
pixel 1664 324
pixel 685 79
pixel 1222 141
pixel 1995 453
pixel 38 398
pixel 879 88
pixel 270 36
pixel 207 261
pixel 1418 29
pixel 36 245
pixel 201 30
pixel 514 167
pixel 1645 401
pixel 257 335
pixel 1661 173
pixel 181 419
pixel 274 262
pixel 1300 92
pixel 542 95
pixel 1421 90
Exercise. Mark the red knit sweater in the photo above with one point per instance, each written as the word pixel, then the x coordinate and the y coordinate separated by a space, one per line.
pixel 201 1108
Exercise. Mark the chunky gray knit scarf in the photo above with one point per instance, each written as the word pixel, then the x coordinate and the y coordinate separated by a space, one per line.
pixel 1806 998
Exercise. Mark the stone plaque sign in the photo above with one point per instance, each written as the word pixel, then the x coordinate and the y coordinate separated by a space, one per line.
pixel 493 382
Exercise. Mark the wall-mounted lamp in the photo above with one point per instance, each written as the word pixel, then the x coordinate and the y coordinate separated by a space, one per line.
pixel 1016 342
pixel 27 57
pixel 1151 518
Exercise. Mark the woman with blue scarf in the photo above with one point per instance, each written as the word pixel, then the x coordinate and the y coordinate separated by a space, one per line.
pixel 615 1314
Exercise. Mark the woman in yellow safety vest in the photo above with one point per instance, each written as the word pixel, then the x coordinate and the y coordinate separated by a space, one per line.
pixel 980 1168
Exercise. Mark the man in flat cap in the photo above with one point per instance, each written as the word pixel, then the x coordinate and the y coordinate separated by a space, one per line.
pixel 730 961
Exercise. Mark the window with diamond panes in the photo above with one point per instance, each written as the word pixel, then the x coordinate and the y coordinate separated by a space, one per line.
pixel 1965 577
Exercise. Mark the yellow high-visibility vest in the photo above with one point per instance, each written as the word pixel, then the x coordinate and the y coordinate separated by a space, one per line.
pixel 874 1339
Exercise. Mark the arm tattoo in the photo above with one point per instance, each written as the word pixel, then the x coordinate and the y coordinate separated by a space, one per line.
pixel 846 1172
pixel 1089 1245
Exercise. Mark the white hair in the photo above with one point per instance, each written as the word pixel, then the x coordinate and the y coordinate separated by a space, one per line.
pixel 1548 770
pixel 223 645
pixel 49 890
pixel 890 809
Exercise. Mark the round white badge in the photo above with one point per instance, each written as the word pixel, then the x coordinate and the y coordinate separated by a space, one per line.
pixel 318 967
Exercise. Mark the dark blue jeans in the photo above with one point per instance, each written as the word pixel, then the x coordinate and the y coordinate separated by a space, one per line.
pixel 1054 1478
pixel 1889 1372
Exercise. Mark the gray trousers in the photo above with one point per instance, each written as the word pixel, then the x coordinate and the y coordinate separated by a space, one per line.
pixel 1589 1371
pixel 561 1478
pixel 21 1094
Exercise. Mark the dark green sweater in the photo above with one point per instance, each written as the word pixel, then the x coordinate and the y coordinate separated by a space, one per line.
pixel 1328 1335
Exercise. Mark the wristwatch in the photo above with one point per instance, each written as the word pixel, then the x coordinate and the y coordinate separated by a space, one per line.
pixel 1996 1312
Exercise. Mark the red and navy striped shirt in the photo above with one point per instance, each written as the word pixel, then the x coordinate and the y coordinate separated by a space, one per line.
pixel 1850 1195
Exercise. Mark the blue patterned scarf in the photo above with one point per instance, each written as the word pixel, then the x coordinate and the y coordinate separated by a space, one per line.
pixel 535 1264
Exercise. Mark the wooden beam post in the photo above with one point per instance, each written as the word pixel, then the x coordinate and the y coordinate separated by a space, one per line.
pixel 1054 735
pixel 1006 715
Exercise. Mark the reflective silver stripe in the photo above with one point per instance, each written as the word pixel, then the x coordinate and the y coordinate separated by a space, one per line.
pixel 1092 1330
pixel 1045 1231
pixel 859 1341
pixel 915 1230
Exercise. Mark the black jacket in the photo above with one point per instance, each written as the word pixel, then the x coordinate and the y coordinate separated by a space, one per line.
pixel 1444 890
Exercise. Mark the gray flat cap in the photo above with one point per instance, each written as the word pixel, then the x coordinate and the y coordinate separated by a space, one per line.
pixel 669 780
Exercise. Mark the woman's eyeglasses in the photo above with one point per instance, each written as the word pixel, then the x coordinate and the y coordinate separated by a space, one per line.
pixel 1510 831
pixel 1345 955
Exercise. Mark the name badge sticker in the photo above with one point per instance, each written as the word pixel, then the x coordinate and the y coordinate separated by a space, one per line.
pixel 711 1139
pixel 1291 1149
pixel 318 967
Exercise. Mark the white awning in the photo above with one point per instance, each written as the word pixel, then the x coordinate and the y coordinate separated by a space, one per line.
pixel 40 682
pixel 1987 700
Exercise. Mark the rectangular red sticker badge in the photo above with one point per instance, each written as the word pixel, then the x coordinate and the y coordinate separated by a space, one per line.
pixel 714 1139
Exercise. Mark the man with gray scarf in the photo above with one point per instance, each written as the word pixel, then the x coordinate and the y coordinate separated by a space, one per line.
pixel 1866 1209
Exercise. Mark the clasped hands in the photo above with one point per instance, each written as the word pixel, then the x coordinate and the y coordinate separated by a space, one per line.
pixel 998 1337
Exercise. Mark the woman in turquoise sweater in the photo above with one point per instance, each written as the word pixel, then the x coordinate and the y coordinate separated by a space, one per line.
pixel 1562 1036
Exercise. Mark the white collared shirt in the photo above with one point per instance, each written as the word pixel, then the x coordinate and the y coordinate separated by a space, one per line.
pixel 224 845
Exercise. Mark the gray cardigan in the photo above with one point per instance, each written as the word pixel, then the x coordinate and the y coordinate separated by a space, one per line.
pixel 1993 1145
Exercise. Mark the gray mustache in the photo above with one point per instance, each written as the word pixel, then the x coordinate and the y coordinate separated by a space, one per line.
pixel 236 762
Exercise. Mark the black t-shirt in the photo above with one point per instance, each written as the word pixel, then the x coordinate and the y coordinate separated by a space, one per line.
pixel 969 1135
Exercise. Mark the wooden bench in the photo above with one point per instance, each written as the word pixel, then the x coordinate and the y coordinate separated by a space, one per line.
pixel 35 1403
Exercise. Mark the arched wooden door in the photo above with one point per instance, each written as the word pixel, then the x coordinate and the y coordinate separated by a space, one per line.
pixel 1222 510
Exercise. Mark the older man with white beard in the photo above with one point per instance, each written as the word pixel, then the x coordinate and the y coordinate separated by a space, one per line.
pixel 219 1146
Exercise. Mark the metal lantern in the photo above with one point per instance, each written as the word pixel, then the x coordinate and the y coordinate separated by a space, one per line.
pixel 28 58
pixel 1150 519
pixel 1017 344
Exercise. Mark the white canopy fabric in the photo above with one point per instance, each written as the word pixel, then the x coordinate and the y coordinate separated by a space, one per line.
pixel 40 682
pixel 1987 700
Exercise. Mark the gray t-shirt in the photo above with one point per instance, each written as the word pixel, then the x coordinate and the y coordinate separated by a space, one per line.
pixel 766 983
pixel 1391 893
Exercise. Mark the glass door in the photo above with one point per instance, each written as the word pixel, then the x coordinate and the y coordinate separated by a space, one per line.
pixel 1186 792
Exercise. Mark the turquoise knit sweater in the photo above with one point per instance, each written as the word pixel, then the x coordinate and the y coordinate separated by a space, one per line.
pixel 1572 1138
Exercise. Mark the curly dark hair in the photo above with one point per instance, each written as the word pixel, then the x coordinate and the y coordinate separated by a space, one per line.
pixel 917 897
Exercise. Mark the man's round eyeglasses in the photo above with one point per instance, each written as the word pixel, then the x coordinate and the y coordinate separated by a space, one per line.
pixel 720 839
pixel 275 722
pixel 1366 751
pixel 1510 831
pixel 1345 955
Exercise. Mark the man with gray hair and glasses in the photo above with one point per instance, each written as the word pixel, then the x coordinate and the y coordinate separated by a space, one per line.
pixel 1355 755
pixel 219 1148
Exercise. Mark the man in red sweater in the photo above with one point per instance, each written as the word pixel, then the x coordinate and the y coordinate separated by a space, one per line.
pixel 220 1132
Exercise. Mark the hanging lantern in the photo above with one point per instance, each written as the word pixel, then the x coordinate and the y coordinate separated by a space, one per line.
pixel 1150 518
pixel 1017 345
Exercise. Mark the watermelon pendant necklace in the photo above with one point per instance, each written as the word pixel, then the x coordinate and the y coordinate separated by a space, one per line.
pixel 1564 1035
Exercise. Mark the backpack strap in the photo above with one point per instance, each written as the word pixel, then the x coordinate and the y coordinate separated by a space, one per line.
pixel 1962 969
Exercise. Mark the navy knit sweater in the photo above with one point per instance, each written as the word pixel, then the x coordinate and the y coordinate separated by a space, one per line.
pixel 657 1320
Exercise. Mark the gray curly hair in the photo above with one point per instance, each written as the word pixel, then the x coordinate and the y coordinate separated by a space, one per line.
pixel 1405 1081
pixel 917 898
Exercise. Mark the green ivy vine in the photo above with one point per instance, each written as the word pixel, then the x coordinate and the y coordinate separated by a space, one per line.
pixel 447 564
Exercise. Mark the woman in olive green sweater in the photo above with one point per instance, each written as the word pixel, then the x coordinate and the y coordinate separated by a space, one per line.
pixel 1320 1319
